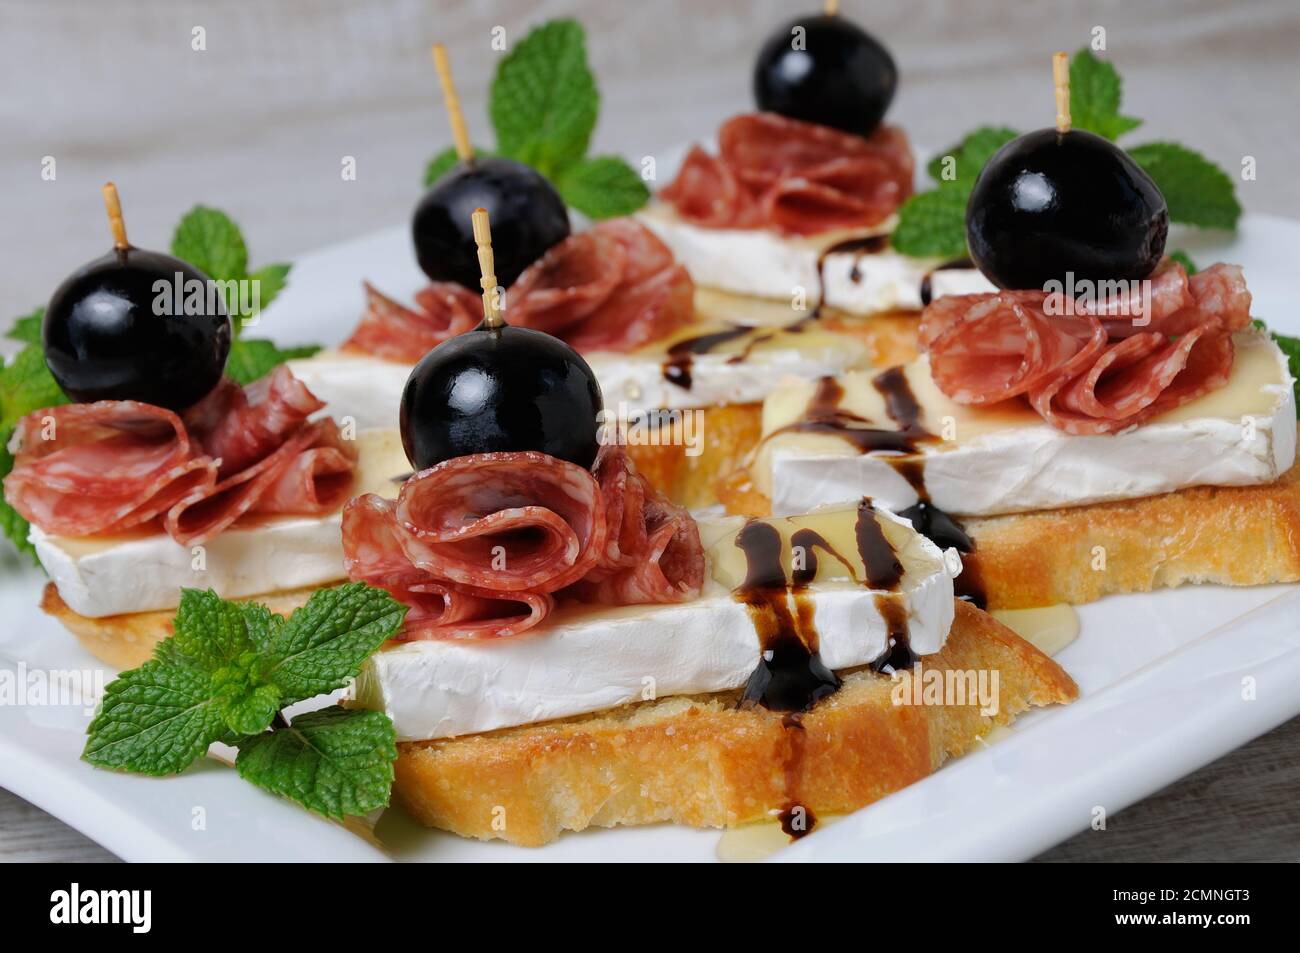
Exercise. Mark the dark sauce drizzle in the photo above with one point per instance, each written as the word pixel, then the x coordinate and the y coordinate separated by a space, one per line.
pixel 791 676
pixel 901 448
pixel 681 356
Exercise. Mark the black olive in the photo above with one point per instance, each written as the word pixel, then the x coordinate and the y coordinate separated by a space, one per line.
pixel 833 73
pixel 1049 203
pixel 528 217
pixel 113 331
pixel 501 389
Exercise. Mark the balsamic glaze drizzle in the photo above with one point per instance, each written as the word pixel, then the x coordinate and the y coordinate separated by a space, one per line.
pixel 681 356
pixel 901 449
pixel 791 676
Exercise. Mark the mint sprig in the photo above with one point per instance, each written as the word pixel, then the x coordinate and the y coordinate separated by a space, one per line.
pixel 543 107
pixel 1198 192
pixel 226 674
pixel 210 240
pixel 1095 90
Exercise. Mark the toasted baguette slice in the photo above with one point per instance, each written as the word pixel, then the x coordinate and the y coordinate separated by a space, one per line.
pixel 1236 536
pixel 705 762
pixel 127 641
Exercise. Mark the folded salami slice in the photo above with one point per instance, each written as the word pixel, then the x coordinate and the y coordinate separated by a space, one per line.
pixel 110 466
pixel 89 469
pixel 479 546
pixel 396 333
pixel 796 177
pixel 1106 367
pixel 613 287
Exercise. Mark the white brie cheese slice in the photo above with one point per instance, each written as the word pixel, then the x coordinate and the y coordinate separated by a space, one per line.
pixel 585 659
pixel 766 264
pixel 1006 459
pixel 108 575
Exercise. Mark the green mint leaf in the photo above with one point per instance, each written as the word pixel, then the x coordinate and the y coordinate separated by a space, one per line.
pixel 271 280
pixel 324 642
pixel 210 241
pixel 1198 191
pixel 28 328
pixel 251 710
pixel 26 384
pixel 210 632
pixel 1095 90
pixel 155 719
pixel 254 358
pixel 333 761
pixel 444 162
pixel 262 624
pixel 602 187
pixel 969 156
pixel 1183 259
pixel 932 224
pixel 543 102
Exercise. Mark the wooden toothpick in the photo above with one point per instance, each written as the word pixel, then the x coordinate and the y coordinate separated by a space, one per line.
pixel 459 135
pixel 483 239
pixel 114 206
pixel 832 7
pixel 1061 80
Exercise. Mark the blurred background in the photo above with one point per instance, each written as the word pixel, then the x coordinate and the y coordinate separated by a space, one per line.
pixel 258 123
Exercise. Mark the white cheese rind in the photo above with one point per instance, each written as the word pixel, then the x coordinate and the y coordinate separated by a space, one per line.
pixel 583 661
pixel 146 574
pixel 99 576
pixel 640 384
pixel 766 264
pixel 1039 467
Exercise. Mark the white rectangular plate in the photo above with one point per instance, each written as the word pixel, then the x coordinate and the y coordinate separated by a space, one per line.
pixel 1169 681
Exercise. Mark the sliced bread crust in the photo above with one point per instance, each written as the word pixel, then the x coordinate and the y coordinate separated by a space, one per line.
pixel 705 762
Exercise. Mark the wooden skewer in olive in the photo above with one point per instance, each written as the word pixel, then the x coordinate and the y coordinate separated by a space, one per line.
pixel 499 388
pixel 129 326
pixel 527 213
pixel 1061 203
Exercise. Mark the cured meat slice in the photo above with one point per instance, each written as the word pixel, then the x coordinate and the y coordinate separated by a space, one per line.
pixel 1117 373
pixel 480 546
pixel 240 425
pixel 309 473
pixel 614 287
pixel 797 177
pixel 708 193
pixel 89 469
pixel 396 333
pixel 1221 291
pixel 105 467
pixel 436 610
pixel 567 284
pixel 504 522
pixel 988 348
pixel 652 551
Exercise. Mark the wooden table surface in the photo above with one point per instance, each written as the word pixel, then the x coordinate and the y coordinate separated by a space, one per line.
pixel 259 122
